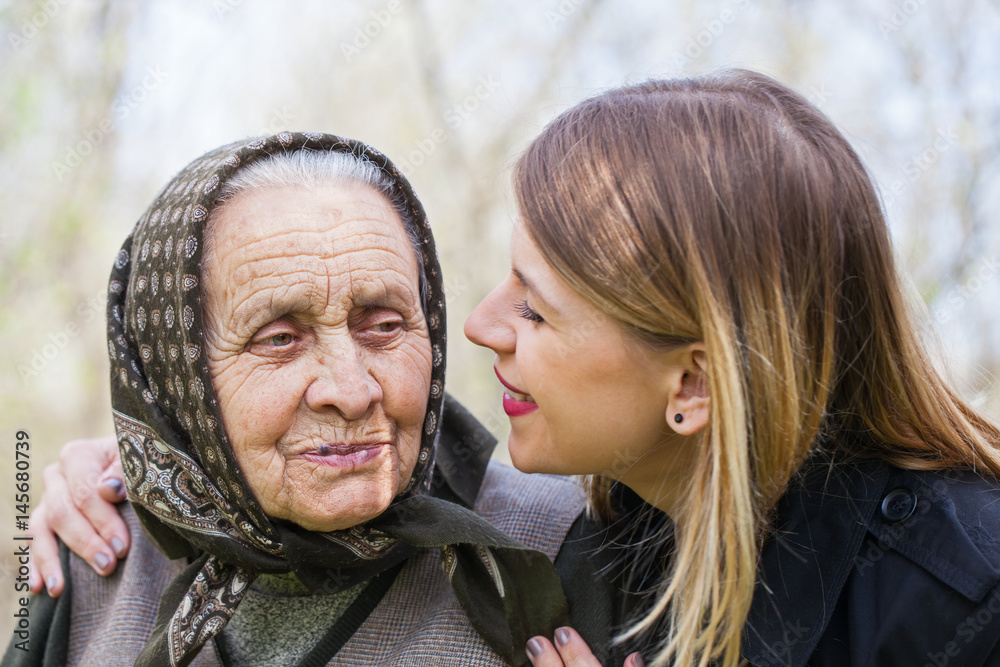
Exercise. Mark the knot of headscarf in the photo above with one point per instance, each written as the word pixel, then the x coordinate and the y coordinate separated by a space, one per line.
pixel 183 479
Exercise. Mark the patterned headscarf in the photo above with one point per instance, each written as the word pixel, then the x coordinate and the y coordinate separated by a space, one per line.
pixel 183 479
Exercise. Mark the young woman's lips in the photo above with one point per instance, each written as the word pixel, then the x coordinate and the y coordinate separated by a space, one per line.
pixel 340 455
pixel 515 403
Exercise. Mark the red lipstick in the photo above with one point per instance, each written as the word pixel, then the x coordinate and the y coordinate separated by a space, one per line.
pixel 516 403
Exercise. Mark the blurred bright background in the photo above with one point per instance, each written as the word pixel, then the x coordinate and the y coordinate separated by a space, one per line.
pixel 102 101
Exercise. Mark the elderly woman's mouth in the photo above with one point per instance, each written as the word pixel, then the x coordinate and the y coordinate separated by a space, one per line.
pixel 344 455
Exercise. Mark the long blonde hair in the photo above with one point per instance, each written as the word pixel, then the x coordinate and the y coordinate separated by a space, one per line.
pixel 729 210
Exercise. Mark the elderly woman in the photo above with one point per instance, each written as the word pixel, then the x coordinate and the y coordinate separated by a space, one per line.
pixel 277 337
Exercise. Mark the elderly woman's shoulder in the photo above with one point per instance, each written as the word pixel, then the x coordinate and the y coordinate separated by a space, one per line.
pixel 535 509
pixel 104 620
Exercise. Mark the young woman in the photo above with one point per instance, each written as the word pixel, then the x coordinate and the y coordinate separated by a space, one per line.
pixel 703 309
pixel 703 306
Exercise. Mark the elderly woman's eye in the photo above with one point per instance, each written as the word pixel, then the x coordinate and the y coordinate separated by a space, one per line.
pixel 379 321
pixel 275 335
pixel 388 327
pixel 280 340
pixel 382 326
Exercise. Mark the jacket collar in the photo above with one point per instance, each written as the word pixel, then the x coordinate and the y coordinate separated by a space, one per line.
pixel 818 529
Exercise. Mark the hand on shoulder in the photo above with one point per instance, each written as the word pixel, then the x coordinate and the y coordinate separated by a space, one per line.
pixel 78 507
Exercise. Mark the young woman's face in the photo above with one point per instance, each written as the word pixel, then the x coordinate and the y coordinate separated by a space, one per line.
pixel 582 396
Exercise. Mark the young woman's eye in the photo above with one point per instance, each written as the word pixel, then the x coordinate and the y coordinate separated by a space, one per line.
pixel 525 311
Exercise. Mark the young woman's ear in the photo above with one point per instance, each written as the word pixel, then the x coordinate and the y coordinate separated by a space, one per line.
pixel 689 403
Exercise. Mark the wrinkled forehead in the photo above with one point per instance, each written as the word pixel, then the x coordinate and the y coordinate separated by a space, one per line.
pixel 336 242
pixel 327 221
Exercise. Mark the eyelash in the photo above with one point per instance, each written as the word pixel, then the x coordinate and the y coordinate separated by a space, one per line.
pixel 525 311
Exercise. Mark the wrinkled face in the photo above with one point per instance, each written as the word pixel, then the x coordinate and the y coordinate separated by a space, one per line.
pixel 582 397
pixel 318 349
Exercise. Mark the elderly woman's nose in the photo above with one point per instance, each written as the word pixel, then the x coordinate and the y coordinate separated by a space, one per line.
pixel 344 385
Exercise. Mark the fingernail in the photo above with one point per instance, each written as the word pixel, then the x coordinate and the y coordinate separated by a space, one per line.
pixel 637 661
pixel 51 582
pixel 102 561
pixel 32 580
pixel 115 484
pixel 562 636
pixel 534 648
pixel 118 546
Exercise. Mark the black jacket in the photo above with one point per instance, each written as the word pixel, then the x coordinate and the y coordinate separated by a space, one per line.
pixel 872 565
pixel 867 565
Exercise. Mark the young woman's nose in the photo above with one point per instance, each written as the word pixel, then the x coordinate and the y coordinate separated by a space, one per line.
pixel 490 324
pixel 343 383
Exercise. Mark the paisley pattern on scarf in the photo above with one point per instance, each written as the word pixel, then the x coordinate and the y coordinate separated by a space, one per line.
pixel 207 607
pixel 181 499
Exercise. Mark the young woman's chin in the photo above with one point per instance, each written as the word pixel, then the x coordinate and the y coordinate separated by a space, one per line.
pixel 532 456
pixel 525 457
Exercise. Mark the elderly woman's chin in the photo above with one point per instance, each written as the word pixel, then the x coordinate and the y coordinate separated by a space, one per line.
pixel 325 495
